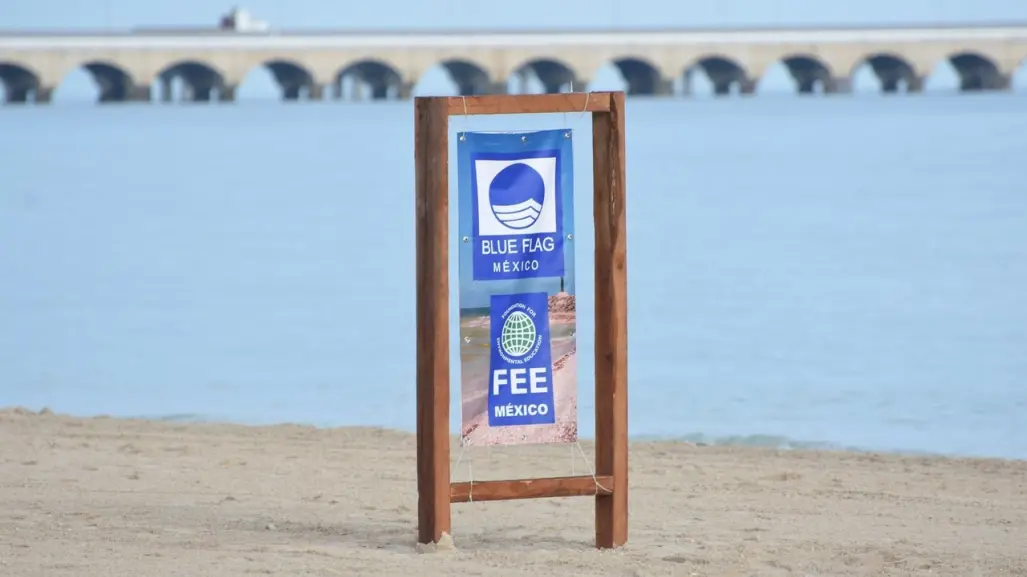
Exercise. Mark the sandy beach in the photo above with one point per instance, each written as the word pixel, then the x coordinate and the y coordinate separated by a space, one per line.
pixel 115 497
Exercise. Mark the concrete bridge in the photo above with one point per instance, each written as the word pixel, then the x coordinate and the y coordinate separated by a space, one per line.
pixel 143 65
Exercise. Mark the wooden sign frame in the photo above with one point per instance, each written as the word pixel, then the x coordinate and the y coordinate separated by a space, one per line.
pixel 609 486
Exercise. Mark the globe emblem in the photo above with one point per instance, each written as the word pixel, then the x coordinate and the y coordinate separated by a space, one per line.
pixel 516 195
pixel 518 335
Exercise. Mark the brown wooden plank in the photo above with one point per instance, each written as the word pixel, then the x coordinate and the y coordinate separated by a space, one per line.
pixel 431 151
pixel 611 309
pixel 529 103
pixel 580 486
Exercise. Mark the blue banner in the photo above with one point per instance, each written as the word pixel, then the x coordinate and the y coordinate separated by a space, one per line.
pixel 517 204
pixel 518 351
pixel 520 367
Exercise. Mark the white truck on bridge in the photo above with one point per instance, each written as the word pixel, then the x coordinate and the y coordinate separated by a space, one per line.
pixel 239 20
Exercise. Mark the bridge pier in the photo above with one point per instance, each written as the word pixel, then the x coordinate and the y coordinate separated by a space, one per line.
pixel 16 95
pixel 28 95
pixel 723 78
pixel 807 85
pixel 746 87
pixel 644 81
pixel 554 77
pixel 312 92
pixel 829 85
pixel 474 88
pixel 980 80
pixel 469 80
pixel 336 92
pixel 838 85
pixel 687 80
pixel 203 93
pixel 192 93
pixel 358 91
pixel 111 92
pixel 914 84
pixel 139 93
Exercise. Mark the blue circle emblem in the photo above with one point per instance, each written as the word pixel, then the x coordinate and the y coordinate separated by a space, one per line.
pixel 516 195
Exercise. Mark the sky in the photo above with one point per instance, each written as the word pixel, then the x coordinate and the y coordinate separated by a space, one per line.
pixel 421 14
pixel 467 15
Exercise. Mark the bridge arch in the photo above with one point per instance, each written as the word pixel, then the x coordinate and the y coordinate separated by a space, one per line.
pixel 469 76
pixel 113 82
pixel 810 73
pixel 199 82
pixel 977 71
pixel 893 71
pixel 19 83
pixel 294 80
pixel 724 72
pixel 641 76
pixel 553 74
pixel 381 76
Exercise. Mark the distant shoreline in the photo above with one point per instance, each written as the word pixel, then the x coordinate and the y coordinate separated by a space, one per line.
pixel 696 439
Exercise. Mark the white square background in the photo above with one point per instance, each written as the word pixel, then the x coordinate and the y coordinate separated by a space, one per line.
pixel 486 171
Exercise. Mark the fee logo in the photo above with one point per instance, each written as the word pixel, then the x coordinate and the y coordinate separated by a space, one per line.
pixel 520 364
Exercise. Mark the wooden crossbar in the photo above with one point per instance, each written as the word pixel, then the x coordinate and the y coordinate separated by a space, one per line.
pixel 529 103
pixel 544 488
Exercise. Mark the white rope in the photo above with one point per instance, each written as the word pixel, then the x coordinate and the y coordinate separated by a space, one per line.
pixel 467 120
pixel 591 470
pixel 584 109
pixel 470 470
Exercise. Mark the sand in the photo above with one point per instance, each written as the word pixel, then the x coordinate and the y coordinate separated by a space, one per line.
pixel 132 498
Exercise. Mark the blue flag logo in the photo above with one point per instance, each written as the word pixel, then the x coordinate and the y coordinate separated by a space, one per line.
pixel 517 196
pixel 520 367
pixel 518 214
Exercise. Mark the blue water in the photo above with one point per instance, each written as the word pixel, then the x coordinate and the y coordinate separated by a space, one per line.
pixel 843 272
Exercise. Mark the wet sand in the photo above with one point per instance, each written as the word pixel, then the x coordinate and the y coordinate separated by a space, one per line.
pixel 122 498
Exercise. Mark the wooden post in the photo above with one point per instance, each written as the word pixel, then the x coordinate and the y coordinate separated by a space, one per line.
pixel 435 492
pixel 431 154
pixel 611 302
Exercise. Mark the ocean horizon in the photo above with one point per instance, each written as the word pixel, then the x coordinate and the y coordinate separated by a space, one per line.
pixel 838 273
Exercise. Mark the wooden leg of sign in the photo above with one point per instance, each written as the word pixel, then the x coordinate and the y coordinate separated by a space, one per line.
pixel 611 397
pixel 431 151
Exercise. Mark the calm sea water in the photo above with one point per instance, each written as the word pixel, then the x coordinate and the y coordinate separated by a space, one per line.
pixel 829 272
